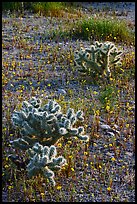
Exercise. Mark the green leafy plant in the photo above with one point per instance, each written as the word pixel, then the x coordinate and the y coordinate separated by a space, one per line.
pixel 11 6
pixel 109 93
pixel 48 8
pixel 103 29
pixel 99 58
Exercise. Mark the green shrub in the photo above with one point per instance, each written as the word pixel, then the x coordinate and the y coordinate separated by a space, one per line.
pixel 12 6
pixel 101 29
pixel 108 95
pixel 48 8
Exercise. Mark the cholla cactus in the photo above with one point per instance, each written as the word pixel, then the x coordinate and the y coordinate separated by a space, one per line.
pixel 98 58
pixel 41 127
pixel 43 161
pixel 46 124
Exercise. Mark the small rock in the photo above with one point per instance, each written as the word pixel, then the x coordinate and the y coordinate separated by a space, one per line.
pixel 110 154
pixel 111 134
pixel 116 126
pixel 116 131
pixel 130 154
pixel 106 127
pixel 61 92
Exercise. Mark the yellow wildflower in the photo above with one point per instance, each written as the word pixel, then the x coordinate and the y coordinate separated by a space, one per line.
pixel 87 29
pixel 58 187
pixel 95 92
pixel 107 107
pixel 113 159
pixel 100 166
pixel 69 142
pixel 110 145
pixel 127 125
pixel 109 189
pixel 85 153
pixel 59 145
pixel 97 112
pixel 10 187
pixel 70 157
pixel 42 194
pixel 7 159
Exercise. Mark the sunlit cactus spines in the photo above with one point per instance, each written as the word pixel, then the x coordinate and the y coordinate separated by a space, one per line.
pixel 45 124
pixel 99 58
pixel 43 161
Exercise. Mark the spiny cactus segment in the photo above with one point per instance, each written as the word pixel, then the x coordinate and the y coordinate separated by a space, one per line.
pixel 43 161
pixel 46 124
pixel 99 58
